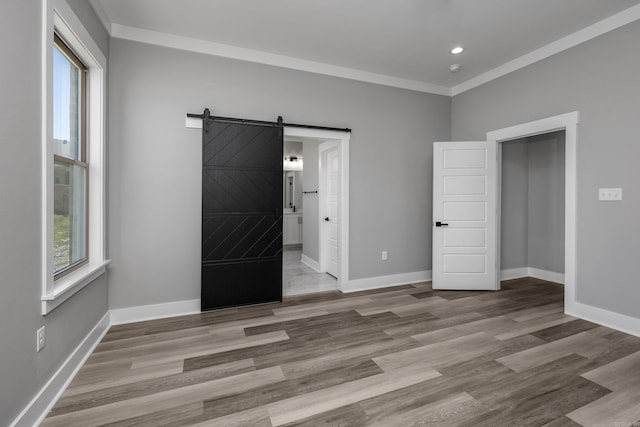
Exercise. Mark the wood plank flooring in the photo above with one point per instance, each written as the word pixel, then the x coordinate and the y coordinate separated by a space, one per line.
pixel 403 356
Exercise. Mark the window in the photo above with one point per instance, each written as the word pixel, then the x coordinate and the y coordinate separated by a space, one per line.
pixel 70 173
pixel 73 153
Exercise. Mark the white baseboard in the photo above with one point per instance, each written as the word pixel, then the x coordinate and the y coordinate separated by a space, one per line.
pixel 550 276
pixel 154 311
pixel 518 273
pixel 311 263
pixel 36 411
pixel 514 273
pixel 621 322
pixel 386 281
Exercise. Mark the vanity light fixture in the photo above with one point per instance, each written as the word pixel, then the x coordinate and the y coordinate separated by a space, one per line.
pixel 292 163
pixel 456 50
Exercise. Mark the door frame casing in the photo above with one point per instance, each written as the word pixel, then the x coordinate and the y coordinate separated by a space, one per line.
pixel 342 138
pixel 323 253
pixel 569 123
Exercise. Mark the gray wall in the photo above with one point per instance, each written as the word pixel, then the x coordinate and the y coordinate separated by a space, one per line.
pixel 514 206
pixel 600 80
pixel 23 371
pixel 532 205
pixel 155 161
pixel 311 212
pixel 546 202
pixel 84 11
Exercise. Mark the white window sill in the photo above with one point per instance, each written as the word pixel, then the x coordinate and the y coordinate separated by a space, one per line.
pixel 71 284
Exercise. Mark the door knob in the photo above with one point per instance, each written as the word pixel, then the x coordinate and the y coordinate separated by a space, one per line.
pixel 327 219
pixel 441 224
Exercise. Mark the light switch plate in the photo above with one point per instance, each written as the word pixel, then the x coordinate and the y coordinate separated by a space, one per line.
pixel 40 339
pixel 610 194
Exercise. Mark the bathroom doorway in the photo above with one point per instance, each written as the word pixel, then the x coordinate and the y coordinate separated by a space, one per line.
pixel 304 227
pixel 301 234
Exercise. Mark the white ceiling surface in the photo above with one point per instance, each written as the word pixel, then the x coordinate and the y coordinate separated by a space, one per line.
pixel 402 39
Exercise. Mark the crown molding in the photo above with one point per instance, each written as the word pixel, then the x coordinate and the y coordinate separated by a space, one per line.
pixel 599 28
pixel 250 55
pixel 228 51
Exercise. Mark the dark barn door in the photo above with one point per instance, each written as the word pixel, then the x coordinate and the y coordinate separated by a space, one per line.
pixel 241 213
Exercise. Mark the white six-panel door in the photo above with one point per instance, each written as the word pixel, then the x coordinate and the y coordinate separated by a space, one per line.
pixel 329 200
pixel 464 216
pixel 332 211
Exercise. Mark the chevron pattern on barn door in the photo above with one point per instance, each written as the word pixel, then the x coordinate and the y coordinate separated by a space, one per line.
pixel 244 146
pixel 240 190
pixel 241 214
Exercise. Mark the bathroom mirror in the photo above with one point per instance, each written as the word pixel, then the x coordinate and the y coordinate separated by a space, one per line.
pixel 292 190
pixel 292 166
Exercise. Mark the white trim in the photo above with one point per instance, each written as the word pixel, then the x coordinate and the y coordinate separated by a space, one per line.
pixel 47 149
pixel 611 319
pixel 343 139
pixel 71 284
pixel 59 16
pixel 72 28
pixel 519 273
pixel 36 411
pixel 514 273
pixel 228 51
pixel 193 123
pixel 549 276
pixel 293 132
pixel 592 31
pixel 154 311
pixel 311 263
pixel 568 122
pixel 536 127
pixel 387 281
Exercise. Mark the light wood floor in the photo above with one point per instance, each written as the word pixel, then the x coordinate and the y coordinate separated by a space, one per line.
pixel 405 356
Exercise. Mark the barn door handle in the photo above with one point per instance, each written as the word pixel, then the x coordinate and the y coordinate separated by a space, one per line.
pixel 327 219
pixel 441 224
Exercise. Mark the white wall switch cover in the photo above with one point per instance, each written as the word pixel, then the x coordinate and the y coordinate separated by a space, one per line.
pixel 610 194
pixel 40 339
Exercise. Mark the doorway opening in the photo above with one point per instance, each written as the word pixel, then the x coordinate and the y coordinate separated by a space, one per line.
pixel 531 203
pixel 568 123
pixel 308 265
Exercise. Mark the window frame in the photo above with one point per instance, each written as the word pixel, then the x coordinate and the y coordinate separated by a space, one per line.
pixel 59 18
pixel 62 46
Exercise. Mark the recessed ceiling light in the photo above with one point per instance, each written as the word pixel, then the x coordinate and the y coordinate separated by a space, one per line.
pixel 456 50
pixel 455 68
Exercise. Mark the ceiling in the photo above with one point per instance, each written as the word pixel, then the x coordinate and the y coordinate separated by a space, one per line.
pixel 402 43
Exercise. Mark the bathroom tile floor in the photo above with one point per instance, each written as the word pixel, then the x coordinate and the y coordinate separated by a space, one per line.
pixel 298 278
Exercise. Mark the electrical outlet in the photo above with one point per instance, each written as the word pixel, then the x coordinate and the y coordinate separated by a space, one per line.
pixel 610 194
pixel 384 255
pixel 40 339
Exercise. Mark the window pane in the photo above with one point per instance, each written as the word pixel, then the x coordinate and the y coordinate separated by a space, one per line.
pixel 66 107
pixel 70 215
